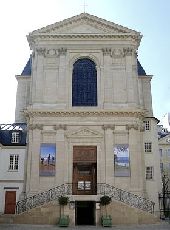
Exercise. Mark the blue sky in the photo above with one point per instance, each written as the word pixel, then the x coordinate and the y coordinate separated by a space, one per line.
pixel 150 17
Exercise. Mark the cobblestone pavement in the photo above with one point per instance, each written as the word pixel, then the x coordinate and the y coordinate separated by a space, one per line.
pixel 162 226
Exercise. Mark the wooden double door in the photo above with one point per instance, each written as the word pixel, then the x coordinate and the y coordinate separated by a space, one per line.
pixel 84 170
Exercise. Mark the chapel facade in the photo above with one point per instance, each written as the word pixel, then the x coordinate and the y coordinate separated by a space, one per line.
pixel 87 103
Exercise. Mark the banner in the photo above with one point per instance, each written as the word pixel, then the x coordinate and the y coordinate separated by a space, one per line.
pixel 47 159
pixel 121 160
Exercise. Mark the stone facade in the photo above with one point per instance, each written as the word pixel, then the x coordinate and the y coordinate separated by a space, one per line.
pixel 44 101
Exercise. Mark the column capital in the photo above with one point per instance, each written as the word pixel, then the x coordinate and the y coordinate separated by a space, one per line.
pixel 63 127
pixel 106 127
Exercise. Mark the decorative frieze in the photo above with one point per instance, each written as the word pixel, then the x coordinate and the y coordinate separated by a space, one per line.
pixel 51 52
pixel 139 114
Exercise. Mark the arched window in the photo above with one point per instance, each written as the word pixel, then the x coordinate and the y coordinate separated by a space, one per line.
pixel 84 83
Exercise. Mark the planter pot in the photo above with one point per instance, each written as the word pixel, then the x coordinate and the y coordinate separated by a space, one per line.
pixel 106 221
pixel 64 221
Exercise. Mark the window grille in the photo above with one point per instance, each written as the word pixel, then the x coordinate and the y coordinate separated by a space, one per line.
pixel 148 147
pixel 15 137
pixel 13 162
pixel 149 172
pixel 147 125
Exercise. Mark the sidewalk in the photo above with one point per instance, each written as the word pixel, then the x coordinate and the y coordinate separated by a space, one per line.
pixel 162 226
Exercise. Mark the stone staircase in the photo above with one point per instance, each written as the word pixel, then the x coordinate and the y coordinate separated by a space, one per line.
pixel 43 208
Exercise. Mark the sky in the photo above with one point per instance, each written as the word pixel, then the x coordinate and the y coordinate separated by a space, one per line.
pixel 20 17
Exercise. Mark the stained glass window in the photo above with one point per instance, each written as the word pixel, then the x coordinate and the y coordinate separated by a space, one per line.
pixel 84 83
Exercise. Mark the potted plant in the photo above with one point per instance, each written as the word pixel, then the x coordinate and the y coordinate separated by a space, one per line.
pixel 106 219
pixel 64 219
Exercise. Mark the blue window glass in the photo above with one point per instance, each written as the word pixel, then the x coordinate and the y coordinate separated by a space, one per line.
pixel 84 83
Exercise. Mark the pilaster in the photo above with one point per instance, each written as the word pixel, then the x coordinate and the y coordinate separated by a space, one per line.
pixel 109 157
pixel 136 159
pixel 33 158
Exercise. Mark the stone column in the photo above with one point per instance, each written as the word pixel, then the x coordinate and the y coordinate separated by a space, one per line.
pixel 109 156
pixel 33 159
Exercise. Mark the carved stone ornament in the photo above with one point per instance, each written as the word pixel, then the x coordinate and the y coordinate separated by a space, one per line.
pixel 52 53
pixel 62 51
pixel 107 51
pixel 41 51
pixel 128 51
pixel 35 126
pixel 117 53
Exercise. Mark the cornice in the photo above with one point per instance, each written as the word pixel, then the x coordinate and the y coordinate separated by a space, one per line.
pixel 35 113
pixel 37 37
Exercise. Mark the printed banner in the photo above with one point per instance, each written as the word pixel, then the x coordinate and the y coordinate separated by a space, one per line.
pixel 121 160
pixel 47 159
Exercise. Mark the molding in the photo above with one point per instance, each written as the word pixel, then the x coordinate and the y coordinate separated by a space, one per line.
pixel 35 113
pixel 63 127
pixel 35 126
pixel 11 181
pixel 132 126
pixel 105 127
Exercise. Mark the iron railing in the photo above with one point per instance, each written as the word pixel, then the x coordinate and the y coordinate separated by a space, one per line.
pixel 102 189
pixel 126 197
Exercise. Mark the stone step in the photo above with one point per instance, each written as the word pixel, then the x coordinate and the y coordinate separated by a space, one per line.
pixel 6 218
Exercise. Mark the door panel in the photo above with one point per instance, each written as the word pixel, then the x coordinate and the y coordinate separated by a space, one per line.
pixel 84 170
pixel 10 202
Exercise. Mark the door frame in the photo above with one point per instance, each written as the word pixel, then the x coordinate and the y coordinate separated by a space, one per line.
pixel 89 160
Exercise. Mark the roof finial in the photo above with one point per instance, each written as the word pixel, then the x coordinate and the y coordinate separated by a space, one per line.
pixel 84 6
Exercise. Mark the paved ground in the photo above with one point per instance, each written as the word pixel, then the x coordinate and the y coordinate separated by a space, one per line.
pixel 162 226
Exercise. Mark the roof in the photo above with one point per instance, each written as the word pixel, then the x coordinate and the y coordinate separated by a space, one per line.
pixel 6 131
pixel 28 69
pixel 141 71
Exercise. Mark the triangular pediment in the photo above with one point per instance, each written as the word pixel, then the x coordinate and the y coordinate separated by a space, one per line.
pixel 84 24
pixel 84 133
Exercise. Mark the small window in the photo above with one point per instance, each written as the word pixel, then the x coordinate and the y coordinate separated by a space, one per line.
pixel 147 125
pixel 161 167
pixel 148 147
pixel 13 162
pixel 160 152
pixel 15 137
pixel 149 173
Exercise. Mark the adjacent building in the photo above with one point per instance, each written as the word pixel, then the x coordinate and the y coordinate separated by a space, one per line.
pixel 12 162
